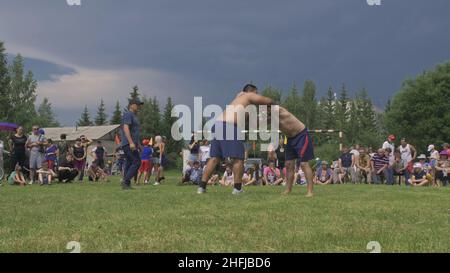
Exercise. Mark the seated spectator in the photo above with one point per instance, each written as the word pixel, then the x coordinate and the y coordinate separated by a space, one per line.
pixel 16 177
pixel 399 167
pixel 379 166
pixel 299 176
pixel 272 175
pixel 425 165
pixel 419 177
pixel 443 169
pixel 363 167
pixel 196 174
pixel 66 170
pixel 249 177
pixel 324 175
pixel 186 175
pixel 228 177
pixel 95 173
pixel 51 154
pixel 345 167
pixel 45 174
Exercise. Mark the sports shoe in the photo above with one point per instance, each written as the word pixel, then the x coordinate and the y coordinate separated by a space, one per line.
pixel 30 183
pixel 156 184
pixel 201 190
pixel 237 192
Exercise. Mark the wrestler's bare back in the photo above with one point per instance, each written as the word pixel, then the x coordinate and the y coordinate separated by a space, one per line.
pixel 288 123
pixel 243 99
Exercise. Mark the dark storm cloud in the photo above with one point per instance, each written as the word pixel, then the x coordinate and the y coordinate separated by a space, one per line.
pixel 220 45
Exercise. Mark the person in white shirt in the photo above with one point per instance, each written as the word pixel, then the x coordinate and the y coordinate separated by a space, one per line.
pixel 204 152
pixel 228 177
pixel 389 143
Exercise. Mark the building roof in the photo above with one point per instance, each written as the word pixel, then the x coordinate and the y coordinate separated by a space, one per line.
pixel 91 132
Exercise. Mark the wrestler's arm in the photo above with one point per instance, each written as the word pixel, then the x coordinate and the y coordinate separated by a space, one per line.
pixel 254 98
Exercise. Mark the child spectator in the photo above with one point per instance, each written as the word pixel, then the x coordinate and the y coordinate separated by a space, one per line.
pixel 272 175
pixel 146 162
pixel 419 177
pixel 45 175
pixel 196 174
pixel 51 154
pixel 99 154
pixel 16 177
pixel 399 167
pixel 186 175
pixel 228 177
pixel 443 169
pixel 95 173
pixel 323 174
pixel 66 169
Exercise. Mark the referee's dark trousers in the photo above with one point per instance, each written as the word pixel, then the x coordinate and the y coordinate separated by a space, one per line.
pixel 132 164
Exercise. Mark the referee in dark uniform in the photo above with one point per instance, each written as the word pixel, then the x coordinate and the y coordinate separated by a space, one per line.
pixel 130 138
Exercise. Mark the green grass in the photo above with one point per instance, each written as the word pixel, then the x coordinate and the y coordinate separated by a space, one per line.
pixel 171 218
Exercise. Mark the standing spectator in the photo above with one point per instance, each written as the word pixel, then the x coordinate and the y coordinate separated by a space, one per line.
pixel 379 165
pixel 399 167
pixel 390 169
pixel 35 143
pixel 434 158
pixel 17 145
pixel 146 162
pixel 99 153
pixel 51 154
pixel 2 150
pixel 45 174
pixel 363 166
pixel 389 143
pixel 79 154
pixel 204 152
pixel 66 169
pixel 130 140
pixel 194 148
pixel 120 160
pixel 16 177
pixel 272 175
pixel 228 177
pixel 443 168
pixel 419 177
pixel 86 142
pixel 409 154
pixel 63 148
pixel 345 167
pixel 158 159
pixel 324 175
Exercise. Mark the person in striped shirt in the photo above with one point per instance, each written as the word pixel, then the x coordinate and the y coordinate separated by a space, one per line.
pixel 379 164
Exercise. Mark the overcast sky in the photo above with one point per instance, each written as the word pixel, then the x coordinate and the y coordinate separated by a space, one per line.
pixel 211 48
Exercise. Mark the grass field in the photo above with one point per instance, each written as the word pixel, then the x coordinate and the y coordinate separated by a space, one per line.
pixel 171 218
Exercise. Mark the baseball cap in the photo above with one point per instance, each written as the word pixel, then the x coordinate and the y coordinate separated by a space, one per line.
pixel 391 137
pixel 135 101
pixel 430 147
pixel 417 165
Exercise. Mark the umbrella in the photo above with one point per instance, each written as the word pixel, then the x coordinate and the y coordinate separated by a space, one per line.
pixel 5 126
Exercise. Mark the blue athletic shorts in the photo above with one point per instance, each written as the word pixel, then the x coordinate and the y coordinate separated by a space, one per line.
pixel 300 147
pixel 223 147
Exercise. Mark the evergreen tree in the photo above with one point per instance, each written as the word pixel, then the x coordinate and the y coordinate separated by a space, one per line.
pixel 293 102
pixel 309 104
pixel 101 117
pixel 22 94
pixel 85 119
pixel 45 116
pixel 342 113
pixel 117 115
pixel 135 93
pixel 329 118
pixel 272 93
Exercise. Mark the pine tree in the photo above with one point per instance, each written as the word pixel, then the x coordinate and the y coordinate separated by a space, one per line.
pixel 117 115
pixel 329 110
pixel 101 117
pixel 22 94
pixel 135 93
pixel 293 102
pixel 309 104
pixel 342 113
pixel 45 116
pixel 85 119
